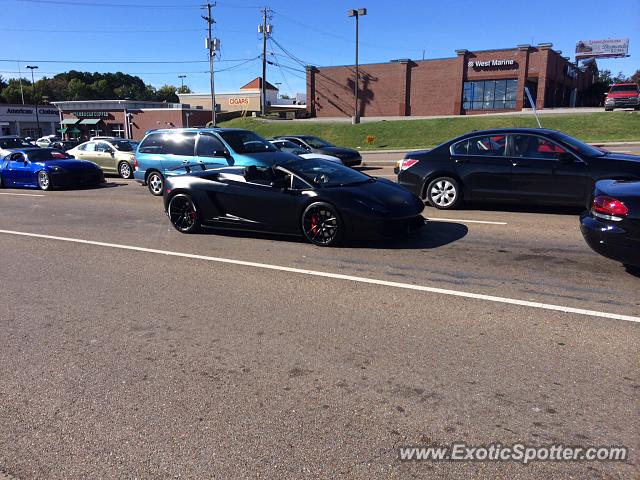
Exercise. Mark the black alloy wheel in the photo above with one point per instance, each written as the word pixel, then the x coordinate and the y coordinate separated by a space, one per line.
pixel 183 214
pixel 321 224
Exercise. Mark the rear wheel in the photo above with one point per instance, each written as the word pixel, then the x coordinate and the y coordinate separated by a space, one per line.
pixel 155 183
pixel 321 224
pixel 608 109
pixel 44 182
pixel 125 170
pixel 183 214
pixel 444 193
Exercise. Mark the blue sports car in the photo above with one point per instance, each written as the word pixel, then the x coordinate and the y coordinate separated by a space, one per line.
pixel 47 168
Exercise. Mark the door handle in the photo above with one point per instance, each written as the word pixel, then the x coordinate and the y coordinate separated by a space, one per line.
pixel 461 160
pixel 521 164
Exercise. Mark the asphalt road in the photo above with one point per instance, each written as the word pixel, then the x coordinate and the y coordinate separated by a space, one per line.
pixel 133 363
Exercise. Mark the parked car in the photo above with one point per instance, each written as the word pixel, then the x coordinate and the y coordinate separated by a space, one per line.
pixel 65 145
pixel 47 140
pixel 113 156
pixel 323 201
pixel 612 225
pixel 163 152
pixel 623 95
pixel 348 156
pixel 47 168
pixel 528 165
pixel 290 147
pixel 9 143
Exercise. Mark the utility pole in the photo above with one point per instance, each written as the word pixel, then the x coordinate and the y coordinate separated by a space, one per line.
pixel 357 14
pixel 182 77
pixel 212 45
pixel 35 97
pixel 265 30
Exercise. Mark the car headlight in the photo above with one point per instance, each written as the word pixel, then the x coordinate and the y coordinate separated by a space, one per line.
pixel 609 100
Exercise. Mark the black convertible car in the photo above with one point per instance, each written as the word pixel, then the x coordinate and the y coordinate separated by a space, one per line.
pixel 528 165
pixel 612 226
pixel 320 200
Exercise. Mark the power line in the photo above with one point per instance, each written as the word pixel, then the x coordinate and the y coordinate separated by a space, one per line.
pixel 128 62
pixel 130 5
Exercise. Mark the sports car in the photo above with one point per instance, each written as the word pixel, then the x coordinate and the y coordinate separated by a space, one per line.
pixel 47 168
pixel 324 202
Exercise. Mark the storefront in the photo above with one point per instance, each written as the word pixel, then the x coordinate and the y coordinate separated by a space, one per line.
pixel 472 82
pixel 81 120
pixel 22 120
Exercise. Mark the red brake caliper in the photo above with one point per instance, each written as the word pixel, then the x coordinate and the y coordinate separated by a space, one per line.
pixel 314 224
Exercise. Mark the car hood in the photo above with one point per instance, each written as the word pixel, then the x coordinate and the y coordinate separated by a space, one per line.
pixel 322 156
pixel 339 152
pixel 70 164
pixel 387 194
pixel 622 94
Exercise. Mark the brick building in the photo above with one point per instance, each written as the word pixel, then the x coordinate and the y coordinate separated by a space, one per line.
pixel 125 118
pixel 472 82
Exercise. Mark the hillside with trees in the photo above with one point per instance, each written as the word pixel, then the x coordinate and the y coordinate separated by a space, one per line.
pixel 75 85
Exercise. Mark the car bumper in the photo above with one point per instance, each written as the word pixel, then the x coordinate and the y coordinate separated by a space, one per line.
pixel 630 102
pixel 609 240
pixel 367 227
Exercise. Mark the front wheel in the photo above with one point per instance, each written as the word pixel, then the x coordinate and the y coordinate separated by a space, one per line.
pixel 444 193
pixel 183 214
pixel 44 182
pixel 125 170
pixel 155 183
pixel 321 225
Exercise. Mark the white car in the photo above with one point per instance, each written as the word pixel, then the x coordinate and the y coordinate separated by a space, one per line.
pixel 290 147
pixel 47 140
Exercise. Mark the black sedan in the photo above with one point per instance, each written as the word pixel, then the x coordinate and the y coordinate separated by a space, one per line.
pixel 527 165
pixel 348 156
pixel 612 226
pixel 323 201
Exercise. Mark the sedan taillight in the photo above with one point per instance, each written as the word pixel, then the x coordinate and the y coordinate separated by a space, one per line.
pixel 135 164
pixel 406 163
pixel 609 208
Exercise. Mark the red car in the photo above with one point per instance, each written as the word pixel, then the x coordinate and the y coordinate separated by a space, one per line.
pixel 623 95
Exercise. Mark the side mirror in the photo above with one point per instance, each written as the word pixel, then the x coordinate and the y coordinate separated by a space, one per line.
pixel 282 182
pixel 564 157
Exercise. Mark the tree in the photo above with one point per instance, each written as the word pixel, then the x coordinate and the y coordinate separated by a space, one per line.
pixel 167 93
pixel 636 77
pixel 13 92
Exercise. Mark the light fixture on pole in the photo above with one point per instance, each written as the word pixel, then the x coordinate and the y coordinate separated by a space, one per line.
pixel 35 98
pixel 356 13
pixel 182 77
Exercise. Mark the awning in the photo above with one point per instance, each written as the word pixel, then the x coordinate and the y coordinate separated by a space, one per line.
pixel 74 130
pixel 62 130
pixel 69 121
pixel 90 121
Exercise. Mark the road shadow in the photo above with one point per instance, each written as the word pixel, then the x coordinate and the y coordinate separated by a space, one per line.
pixel 522 208
pixel 433 235
pixel 632 270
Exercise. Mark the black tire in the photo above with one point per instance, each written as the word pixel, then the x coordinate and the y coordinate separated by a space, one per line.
pixel 44 181
pixel 608 109
pixel 183 214
pixel 444 193
pixel 125 170
pixel 155 183
pixel 321 225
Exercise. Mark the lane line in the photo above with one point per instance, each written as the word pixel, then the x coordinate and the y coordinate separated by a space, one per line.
pixel 460 220
pixel 23 194
pixel 338 276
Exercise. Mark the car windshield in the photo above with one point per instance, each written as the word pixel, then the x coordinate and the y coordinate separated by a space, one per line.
pixel 123 145
pixel 623 88
pixel 242 141
pixel 317 142
pixel 578 146
pixel 327 174
pixel 14 143
pixel 47 155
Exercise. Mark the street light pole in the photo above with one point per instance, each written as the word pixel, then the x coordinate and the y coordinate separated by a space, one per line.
pixel 182 77
pixel 356 13
pixel 35 98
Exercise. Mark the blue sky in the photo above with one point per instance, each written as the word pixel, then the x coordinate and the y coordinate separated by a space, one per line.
pixel 317 32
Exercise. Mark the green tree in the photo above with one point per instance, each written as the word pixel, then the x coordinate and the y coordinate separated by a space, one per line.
pixel 636 77
pixel 13 92
pixel 167 93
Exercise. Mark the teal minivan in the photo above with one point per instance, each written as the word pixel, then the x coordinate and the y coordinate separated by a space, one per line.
pixel 177 151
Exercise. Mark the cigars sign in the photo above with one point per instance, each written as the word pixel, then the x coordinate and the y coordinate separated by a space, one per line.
pixel 502 64
pixel 238 101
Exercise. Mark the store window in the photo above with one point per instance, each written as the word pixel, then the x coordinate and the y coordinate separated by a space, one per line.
pixel 490 95
pixel 117 130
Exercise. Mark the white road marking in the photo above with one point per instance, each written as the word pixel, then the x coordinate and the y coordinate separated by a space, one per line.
pixel 337 276
pixel 23 194
pixel 460 220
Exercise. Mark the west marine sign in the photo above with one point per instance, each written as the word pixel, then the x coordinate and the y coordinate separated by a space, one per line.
pixel 492 63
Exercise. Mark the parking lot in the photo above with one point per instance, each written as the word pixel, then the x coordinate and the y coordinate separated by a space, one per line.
pixel 131 350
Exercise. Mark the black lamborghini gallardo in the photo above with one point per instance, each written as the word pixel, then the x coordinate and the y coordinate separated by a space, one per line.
pixel 320 200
